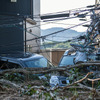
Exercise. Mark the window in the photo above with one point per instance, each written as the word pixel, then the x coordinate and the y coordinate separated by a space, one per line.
pixel 13 0
pixel 39 62
pixel 67 60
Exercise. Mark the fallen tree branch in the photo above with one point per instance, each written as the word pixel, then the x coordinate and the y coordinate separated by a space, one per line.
pixel 34 71
pixel 93 80
pixel 97 79
pixel 1 88
pixel 9 83
pixel 84 65
pixel 89 73
pixel 47 70
pixel 85 87
pixel 93 61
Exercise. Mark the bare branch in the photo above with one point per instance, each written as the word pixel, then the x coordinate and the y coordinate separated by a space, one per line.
pixel 8 83
pixel 89 73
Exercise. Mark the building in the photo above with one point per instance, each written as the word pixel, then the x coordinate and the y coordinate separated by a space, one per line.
pixel 14 26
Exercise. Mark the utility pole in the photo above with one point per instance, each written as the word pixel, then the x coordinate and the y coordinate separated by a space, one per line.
pixel 25 35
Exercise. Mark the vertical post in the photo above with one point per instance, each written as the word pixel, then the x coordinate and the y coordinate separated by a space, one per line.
pixel 25 34
pixel 31 5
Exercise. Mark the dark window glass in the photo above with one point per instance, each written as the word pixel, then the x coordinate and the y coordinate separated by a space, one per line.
pixel 67 60
pixel 40 62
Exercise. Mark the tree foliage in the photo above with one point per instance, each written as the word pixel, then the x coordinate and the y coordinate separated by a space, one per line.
pixel 49 45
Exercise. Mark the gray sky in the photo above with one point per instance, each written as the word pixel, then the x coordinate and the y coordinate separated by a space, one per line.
pixel 51 6
pixel 48 6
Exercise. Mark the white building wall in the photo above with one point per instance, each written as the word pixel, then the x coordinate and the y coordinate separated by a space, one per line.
pixel 33 31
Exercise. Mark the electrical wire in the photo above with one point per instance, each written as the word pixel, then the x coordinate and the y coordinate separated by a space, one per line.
pixel 21 16
pixel 75 9
pixel 10 25
pixel 49 56
pixel 54 43
pixel 43 37
pixel 25 16
pixel 61 23
pixel 49 44
pixel 64 29
pixel 51 33
pixel 38 15
pixel 63 18
pixel 39 25
pixel 45 52
pixel 18 16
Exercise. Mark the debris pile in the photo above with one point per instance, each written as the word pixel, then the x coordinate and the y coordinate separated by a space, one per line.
pixel 27 84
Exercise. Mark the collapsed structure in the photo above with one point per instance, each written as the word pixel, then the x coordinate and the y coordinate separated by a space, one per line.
pixel 90 46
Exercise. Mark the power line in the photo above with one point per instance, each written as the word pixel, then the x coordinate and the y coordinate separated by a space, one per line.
pixel 38 15
pixel 48 54
pixel 62 23
pixel 54 43
pixel 25 16
pixel 64 29
pixel 39 25
pixel 76 9
pixel 64 18
pixel 43 37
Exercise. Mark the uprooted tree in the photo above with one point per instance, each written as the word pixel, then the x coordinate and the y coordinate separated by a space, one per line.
pixel 25 83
